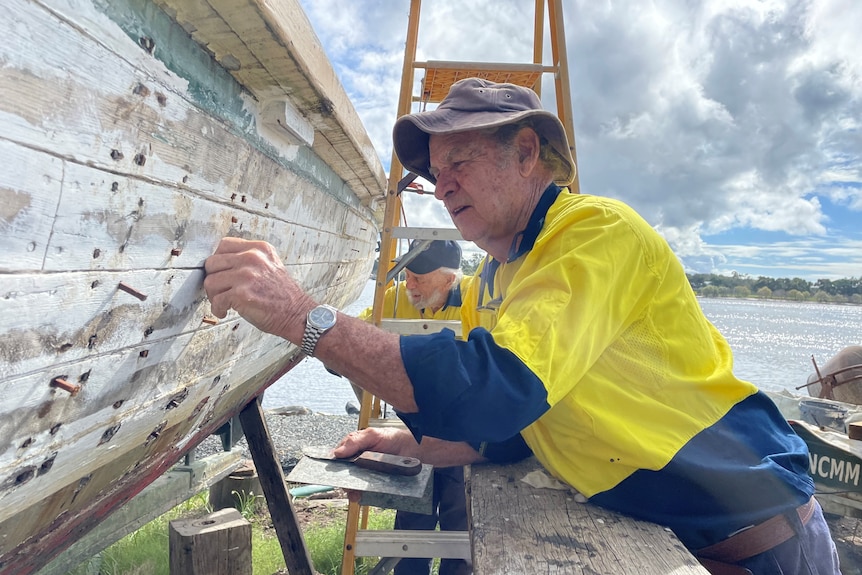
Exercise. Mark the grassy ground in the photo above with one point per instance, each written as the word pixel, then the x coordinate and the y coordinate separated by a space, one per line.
pixel 146 552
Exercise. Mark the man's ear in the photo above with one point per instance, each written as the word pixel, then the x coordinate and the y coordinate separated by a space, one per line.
pixel 527 142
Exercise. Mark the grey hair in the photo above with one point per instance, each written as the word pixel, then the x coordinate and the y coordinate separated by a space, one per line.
pixel 456 272
pixel 504 136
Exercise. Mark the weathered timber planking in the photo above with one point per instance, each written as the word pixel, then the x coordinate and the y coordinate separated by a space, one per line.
pixel 89 110
pixel 51 320
pixel 519 529
pixel 124 140
pixel 109 222
pixel 96 203
pixel 55 319
pixel 114 413
pixel 29 188
pixel 83 473
pixel 132 113
pixel 271 49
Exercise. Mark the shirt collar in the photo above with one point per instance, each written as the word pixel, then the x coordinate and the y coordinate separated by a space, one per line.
pixel 524 240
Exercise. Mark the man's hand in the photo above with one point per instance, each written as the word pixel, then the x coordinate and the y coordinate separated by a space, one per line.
pixel 436 452
pixel 249 277
pixel 384 440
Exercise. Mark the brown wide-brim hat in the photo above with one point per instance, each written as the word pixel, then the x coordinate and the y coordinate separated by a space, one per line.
pixel 477 104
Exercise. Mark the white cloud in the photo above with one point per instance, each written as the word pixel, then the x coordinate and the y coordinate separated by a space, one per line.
pixel 714 117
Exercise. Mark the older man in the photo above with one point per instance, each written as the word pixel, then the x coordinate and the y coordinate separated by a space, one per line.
pixel 588 345
pixel 432 286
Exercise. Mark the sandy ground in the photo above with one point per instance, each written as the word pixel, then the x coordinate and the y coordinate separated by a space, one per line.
pixel 847 534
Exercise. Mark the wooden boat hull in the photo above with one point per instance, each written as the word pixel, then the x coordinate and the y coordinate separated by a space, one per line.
pixel 835 460
pixel 135 135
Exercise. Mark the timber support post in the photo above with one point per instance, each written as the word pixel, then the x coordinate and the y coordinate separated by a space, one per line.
pixel 271 476
pixel 215 544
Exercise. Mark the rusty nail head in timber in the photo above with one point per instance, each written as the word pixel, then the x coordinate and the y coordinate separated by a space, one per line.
pixel 72 388
pixel 132 291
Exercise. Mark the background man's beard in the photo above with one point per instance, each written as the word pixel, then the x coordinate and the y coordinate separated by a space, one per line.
pixel 434 301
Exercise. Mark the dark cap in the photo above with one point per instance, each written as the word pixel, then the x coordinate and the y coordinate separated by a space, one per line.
pixel 440 254
pixel 476 104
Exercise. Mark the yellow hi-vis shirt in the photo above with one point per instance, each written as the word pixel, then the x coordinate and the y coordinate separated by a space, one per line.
pixel 600 313
pixel 590 342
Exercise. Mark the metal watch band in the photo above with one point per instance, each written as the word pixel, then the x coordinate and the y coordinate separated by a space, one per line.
pixel 309 340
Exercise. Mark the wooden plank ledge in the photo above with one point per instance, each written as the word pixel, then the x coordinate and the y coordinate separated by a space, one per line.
pixel 519 529
pixel 420 326
pixel 403 543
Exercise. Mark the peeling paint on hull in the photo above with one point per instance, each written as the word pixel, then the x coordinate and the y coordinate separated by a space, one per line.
pixel 132 142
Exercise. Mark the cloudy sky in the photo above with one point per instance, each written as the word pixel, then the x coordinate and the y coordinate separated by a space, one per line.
pixel 734 127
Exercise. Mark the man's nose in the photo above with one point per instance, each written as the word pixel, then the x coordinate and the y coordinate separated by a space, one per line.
pixel 445 185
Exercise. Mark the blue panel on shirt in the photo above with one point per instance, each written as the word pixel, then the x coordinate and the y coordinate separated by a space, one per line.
pixel 470 390
pixel 690 493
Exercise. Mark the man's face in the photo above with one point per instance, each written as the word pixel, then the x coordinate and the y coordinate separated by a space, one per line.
pixel 479 184
pixel 428 291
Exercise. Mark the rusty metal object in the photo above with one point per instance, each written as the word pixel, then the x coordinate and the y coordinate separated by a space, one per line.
pixel 132 291
pixel 830 381
pixel 66 385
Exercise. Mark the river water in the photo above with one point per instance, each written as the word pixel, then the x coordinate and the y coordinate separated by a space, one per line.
pixel 772 343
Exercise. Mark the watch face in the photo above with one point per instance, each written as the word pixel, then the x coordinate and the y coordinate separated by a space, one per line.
pixel 322 317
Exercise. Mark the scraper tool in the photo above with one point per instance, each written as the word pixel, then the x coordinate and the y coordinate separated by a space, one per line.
pixel 382 462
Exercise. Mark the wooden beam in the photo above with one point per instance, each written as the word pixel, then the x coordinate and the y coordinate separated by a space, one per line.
pixel 518 528
pixel 296 556
pixel 215 544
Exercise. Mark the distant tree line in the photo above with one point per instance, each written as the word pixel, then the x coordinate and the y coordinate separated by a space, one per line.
pixel 794 289
pixel 847 290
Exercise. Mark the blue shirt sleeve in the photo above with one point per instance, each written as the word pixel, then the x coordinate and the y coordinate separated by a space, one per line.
pixel 473 391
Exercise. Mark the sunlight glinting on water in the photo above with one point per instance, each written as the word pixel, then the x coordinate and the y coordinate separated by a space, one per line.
pixel 773 341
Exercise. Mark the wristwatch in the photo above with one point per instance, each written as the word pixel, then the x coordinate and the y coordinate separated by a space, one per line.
pixel 319 320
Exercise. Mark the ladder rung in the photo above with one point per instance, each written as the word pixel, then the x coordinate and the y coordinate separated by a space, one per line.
pixel 405 543
pixel 439 76
pixel 420 326
pixel 386 422
pixel 412 233
pixel 484 66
